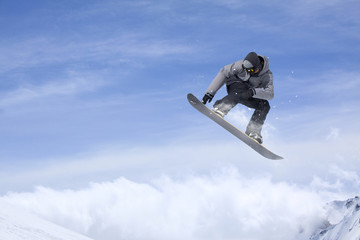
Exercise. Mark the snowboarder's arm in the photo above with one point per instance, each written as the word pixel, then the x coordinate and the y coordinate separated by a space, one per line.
pixel 266 92
pixel 217 83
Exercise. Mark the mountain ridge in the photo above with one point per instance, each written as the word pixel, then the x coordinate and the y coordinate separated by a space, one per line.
pixel 19 225
pixel 343 221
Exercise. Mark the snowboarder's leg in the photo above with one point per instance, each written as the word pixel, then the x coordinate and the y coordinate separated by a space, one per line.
pixel 224 105
pixel 257 120
pixel 262 108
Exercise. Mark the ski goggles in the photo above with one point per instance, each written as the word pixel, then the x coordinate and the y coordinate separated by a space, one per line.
pixel 250 70
pixel 249 67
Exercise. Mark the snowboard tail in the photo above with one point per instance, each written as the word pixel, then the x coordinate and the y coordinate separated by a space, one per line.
pixel 198 105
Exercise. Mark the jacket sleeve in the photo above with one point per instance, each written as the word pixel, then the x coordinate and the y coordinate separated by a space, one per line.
pixel 266 92
pixel 217 83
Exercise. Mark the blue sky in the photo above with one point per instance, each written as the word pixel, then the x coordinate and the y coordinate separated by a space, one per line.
pixel 95 90
pixel 74 75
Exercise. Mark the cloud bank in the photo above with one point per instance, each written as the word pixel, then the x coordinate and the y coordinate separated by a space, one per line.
pixel 223 205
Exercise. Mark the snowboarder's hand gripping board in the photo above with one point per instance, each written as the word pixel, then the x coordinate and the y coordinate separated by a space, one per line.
pixel 197 104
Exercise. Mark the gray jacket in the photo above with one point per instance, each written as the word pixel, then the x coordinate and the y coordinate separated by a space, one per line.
pixel 262 83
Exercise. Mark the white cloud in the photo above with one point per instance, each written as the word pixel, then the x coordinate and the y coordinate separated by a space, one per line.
pixel 224 205
pixel 349 177
pixel 254 198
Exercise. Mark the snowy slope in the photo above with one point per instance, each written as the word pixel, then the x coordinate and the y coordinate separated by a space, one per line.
pixel 17 225
pixel 343 221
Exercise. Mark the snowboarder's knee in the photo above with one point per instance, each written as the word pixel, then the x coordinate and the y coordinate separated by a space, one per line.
pixel 265 106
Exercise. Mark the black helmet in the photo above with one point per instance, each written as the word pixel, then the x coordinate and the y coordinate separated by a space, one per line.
pixel 252 63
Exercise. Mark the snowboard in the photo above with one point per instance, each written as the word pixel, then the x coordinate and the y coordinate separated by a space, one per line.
pixel 198 105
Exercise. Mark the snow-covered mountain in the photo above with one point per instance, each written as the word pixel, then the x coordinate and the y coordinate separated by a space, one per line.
pixel 18 225
pixel 343 221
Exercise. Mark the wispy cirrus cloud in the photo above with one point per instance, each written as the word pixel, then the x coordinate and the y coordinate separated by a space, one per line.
pixel 325 83
pixel 72 84
pixel 47 51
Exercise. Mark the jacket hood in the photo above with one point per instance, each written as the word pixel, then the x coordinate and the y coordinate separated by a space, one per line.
pixel 266 65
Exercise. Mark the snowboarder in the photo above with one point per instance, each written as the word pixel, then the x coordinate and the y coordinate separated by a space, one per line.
pixel 248 82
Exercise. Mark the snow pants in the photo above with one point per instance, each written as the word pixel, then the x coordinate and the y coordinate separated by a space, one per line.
pixel 261 106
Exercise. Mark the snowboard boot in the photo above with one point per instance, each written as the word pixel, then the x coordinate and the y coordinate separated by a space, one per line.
pixel 253 130
pixel 219 112
pixel 256 136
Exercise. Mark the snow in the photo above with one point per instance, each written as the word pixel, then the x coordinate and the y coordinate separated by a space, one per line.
pixel 343 221
pixel 19 225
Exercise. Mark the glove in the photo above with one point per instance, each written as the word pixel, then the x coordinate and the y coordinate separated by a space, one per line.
pixel 248 93
pixel 207 97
